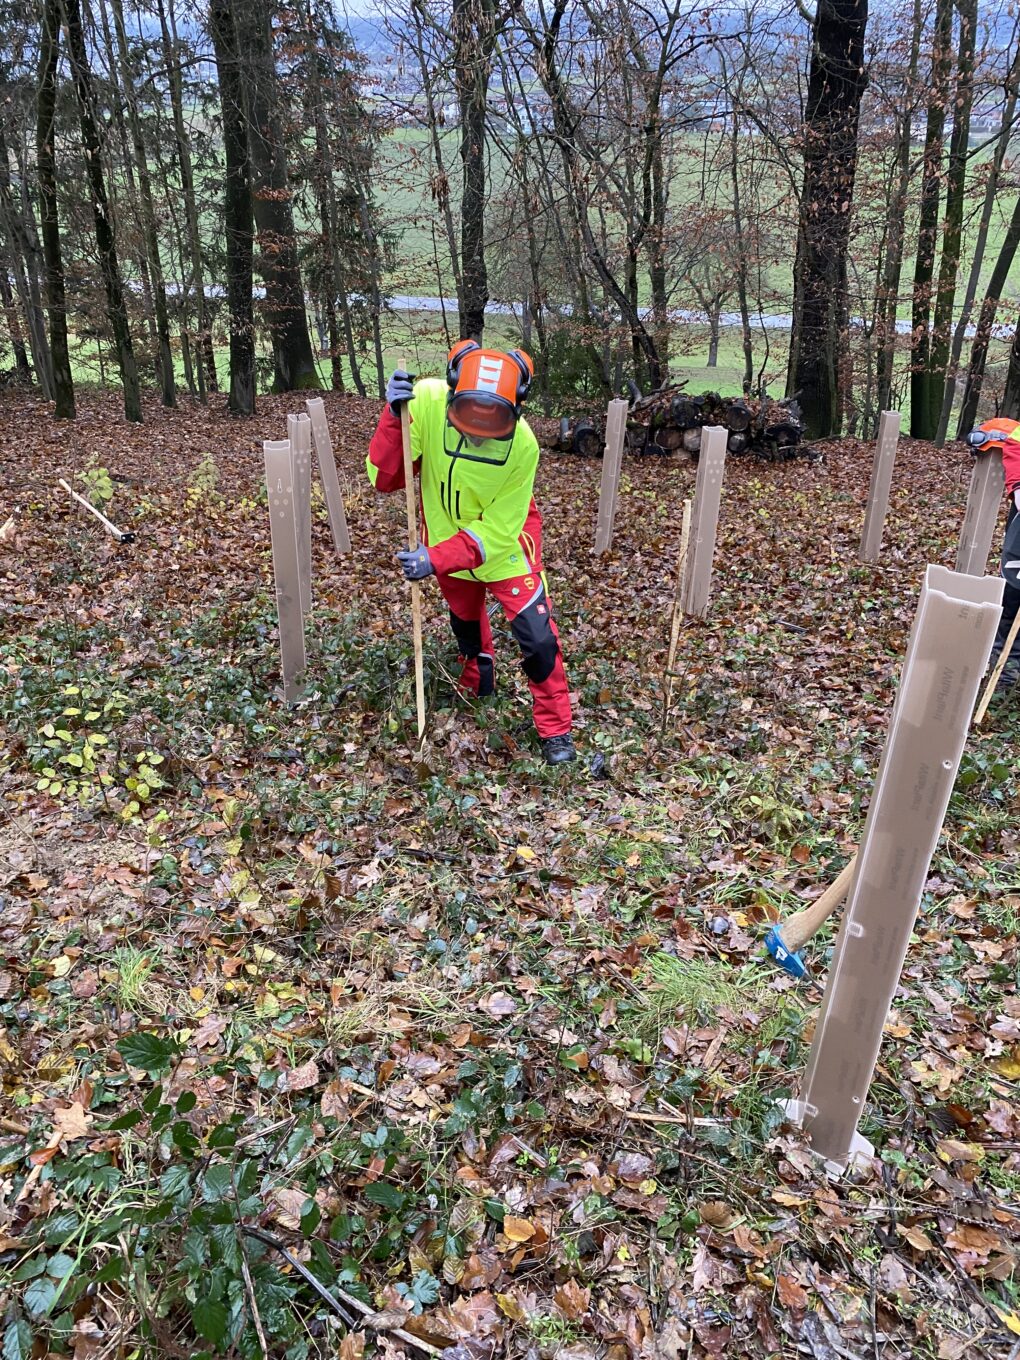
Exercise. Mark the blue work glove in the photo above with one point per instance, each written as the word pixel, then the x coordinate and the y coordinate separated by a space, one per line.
pixel 416 563
pixel 399 388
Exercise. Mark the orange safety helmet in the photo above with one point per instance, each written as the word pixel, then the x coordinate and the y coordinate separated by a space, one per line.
pixel 992 434
pixel 487 389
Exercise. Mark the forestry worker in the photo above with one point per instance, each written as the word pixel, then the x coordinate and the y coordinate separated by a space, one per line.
pixel 475 457
pixel 1002 433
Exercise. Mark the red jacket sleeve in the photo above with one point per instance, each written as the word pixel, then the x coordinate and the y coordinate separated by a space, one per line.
pixel 462 552
pixel 1011 463
pixel 385 461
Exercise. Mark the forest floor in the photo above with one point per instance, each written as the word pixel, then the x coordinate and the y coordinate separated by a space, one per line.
pixel 482 1055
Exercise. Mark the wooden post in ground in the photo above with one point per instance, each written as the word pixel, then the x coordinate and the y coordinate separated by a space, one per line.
pixel 299 433
pixel 286 568
pixel 412 542
pixel 616 433
pixel 949 644
pixel 983 501
pixel 705 520
pixel 881 481
pixel 328 473
pixel 678 612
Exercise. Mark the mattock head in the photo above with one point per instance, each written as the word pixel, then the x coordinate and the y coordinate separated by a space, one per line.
pixel 790 963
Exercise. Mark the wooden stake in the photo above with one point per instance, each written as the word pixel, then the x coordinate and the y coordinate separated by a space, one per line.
pixel 678 612
pixel 412 542
pixel 997 670
pixel 121 535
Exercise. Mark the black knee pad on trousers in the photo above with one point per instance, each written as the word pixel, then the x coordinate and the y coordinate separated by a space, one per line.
pixel 468 633
pixel 537 641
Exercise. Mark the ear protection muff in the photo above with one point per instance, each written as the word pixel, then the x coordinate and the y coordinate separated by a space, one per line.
pixel 454 359
pixel 523 362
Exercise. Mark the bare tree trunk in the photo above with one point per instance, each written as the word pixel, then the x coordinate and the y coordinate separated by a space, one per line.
pixel 977 260
pixel 24 258
pixel 927 231
pixel 738 227
pixel 952 233
pixel 237 210
pixel 713 333
pixel 207 361
pixel 105 239
pixel 10 309
pixel 274 216
pixel 63 383
pixel 892 270
pixel 168 391
pixel 474 36
pixel 1011 392
pixel 818 344
pixel 986 320
pixel 441 181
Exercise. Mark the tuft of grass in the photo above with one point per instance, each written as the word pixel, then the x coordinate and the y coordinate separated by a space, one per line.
pixel 696 989
pixel 133 989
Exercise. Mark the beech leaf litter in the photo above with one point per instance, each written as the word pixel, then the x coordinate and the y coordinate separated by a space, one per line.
pixel 312 1045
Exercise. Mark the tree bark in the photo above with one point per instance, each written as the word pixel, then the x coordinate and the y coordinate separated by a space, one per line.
pixel 952 233
pixel 892 267
pixel 10 309
pixel 475 27
pixel 63 382
pixel 927 232
pixel 986 320
pixel 24 257
pixel 1011 392
pixel 441 182
pixel 977 260
pixel 168 390
pixel 237 210
pixel 207 360
pixel 274 216
pixel 819 343
pixel 105 240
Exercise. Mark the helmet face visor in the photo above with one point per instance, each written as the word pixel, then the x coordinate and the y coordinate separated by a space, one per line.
pixel 482 415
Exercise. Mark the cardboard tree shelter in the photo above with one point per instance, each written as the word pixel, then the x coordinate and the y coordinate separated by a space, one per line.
pixel 881 481
pixel 950 641
pixel 616 434
pixel 983 501
pixel 327 471
pixel 704 520
pixel 289 489
pixel 283 524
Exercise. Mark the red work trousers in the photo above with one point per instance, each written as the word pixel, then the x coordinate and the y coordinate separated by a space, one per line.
pixel 529 613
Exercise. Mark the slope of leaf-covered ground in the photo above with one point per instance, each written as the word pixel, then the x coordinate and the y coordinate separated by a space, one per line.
pixel 312 1047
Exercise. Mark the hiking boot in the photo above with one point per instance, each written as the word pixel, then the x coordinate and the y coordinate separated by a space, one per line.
pixel 1008 678
pixel 558 750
